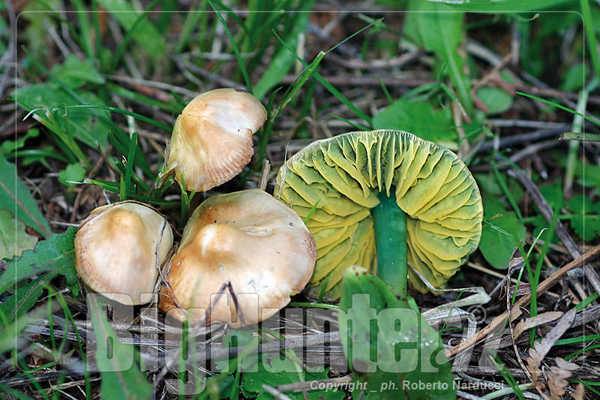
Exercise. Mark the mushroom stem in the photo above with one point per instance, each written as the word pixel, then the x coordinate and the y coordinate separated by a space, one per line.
pixel 389 222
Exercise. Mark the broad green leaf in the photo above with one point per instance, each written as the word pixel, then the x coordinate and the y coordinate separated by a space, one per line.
pixel 553 194
pixel 388 343
pixel 120 379
pixel 420 119
pixel 494 6
pixel 588 174
pixel 500 236
pixel 586 221
pixel 10 146
pixel 283 60
pixel 574 78
pixel 496 100
pixel 438 28
pixel 72 173
pixel 239 338
pixel 54 255
pixel 13 237
pixel 24 299
pixel 279 371
pixel 86 124
pixel 74 72
pixel 14 195
pixel 147 37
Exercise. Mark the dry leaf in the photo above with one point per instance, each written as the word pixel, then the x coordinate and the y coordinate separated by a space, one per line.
pixel 536 321
pixel 540 349
pixel 557 377
pixel 579 392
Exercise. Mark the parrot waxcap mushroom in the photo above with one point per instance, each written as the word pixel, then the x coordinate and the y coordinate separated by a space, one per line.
pixel 382 199
pixel 248 240
pixel 119 249
pixel 212 138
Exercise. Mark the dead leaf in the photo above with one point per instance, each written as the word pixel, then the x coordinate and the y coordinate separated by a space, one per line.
pixel 536 321
pixel 557 377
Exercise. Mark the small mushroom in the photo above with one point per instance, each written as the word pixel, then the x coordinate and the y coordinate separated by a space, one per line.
pixel 119 249
pixel 212 138
pixel 349 179
pixel 246 239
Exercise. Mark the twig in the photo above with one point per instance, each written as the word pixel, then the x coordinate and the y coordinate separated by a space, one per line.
pixel 520 123
pixel 153 84
pixel 375 64
pixel 184 65
pixel 350 80
pixel 275 393
pixel 524 138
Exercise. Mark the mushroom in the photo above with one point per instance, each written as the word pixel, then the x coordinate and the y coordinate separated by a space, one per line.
pixel 377 193
pixel 119 249
pixel 248 240
pixel 212 138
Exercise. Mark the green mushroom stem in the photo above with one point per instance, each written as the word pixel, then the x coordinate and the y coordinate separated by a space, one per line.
pixel 389 222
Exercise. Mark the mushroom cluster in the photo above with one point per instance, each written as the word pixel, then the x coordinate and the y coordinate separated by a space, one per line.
pixel 246 240
pixel 343 182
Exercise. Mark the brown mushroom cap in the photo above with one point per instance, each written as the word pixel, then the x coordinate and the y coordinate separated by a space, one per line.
pixel 119 248
pixel 249 239
pixel 212 138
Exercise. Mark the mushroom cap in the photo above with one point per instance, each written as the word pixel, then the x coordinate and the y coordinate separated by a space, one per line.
pixel 212 138
pixel 344 175
pixel 119 248
pixel 249 239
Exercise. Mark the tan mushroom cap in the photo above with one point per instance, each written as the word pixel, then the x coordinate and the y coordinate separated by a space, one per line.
pixel 119 248
pixel 249 239
pixel 212 138
pixel 342 176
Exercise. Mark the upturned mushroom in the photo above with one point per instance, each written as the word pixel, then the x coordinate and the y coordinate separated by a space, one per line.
pixel 119 249
pixel 380 199
pixel 212 138
pixel 249 240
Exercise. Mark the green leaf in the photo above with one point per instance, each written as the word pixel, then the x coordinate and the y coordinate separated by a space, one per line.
pixel 280 371
pixel 420 119
pixel 56 255
pixel 120 379
pixel 283 60
pixel 500 236
pixel 74 72
pixel 13 237
pixel 10 146
pixel 375 325
pixel 239 338
pixel 148 38
pixel 584 223
pixel 574 79
pixel 494 6
pixel 24 299
pixel 72 173
pixel 496 100
pixel 89 125
pixel 553 194
pixel 15 196
pixel 438 28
